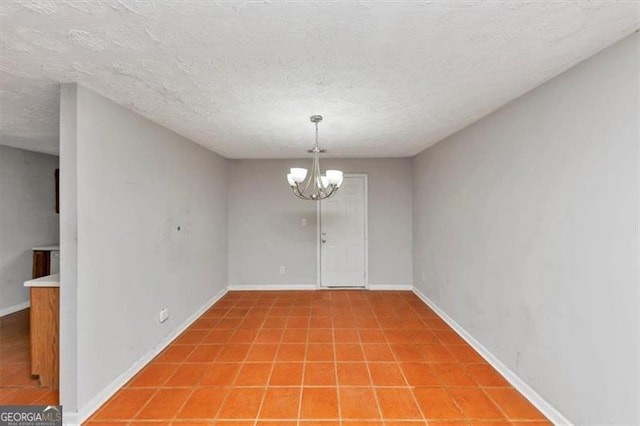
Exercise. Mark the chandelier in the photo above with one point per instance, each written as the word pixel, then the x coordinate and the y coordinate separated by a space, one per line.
pixel 314 186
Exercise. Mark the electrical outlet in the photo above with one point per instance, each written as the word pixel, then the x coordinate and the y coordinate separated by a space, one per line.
pixel 163 315
pixel 304 221
pixel 282 270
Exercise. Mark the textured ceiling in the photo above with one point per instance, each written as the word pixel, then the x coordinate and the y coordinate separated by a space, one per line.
pixel 242 78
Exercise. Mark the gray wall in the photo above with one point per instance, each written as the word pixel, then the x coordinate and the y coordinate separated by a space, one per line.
pixel 27 217
pixel 265 219
pixel 137 182
pixel 69 249
pixel 526 231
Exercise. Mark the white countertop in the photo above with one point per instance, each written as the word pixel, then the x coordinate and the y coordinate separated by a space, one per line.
pixel 46 248
pixel 48 281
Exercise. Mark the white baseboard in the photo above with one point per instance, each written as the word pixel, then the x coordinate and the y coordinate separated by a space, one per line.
pixel 385 287
pixel 272 287
pixel 280 287
pixel 76 418
pixel 15 308
pixel 540 403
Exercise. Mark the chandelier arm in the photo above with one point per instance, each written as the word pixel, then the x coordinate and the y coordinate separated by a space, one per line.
pixel 302 197
pixel 324 197
pixel 331 192
pixel 328 191
pixel 323 191
pixel 316 171
pixel 297 193
pixel 321 188
pixel 302 193
pixel 307 184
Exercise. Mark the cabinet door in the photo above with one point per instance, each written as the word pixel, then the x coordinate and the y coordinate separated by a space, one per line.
pixel 44 328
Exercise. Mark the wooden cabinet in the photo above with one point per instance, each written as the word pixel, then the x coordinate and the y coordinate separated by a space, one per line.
pixel 44 320
pixel 44 315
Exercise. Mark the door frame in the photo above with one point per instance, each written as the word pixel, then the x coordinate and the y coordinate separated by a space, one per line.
pixel 366 234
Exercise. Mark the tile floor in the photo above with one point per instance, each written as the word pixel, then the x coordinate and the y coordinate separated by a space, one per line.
pixel 16 384
pixel 324 357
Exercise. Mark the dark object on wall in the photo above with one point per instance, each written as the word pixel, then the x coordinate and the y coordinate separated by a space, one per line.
pixel 41 264
pixel 57 190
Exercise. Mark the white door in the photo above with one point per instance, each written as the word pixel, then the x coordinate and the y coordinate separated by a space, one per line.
pixel 343 235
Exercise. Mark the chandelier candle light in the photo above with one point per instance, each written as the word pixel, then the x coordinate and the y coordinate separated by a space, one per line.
pixel 314 186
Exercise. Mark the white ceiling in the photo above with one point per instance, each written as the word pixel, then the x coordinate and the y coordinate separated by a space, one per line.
pixel 241 78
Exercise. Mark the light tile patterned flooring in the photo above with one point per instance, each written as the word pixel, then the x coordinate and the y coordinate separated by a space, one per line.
pixel 323 357
pixel 16 384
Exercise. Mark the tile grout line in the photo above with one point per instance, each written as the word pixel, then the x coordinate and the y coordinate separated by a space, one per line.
pixel 245 362
pixel 183 363
pixel 126 386
pixel 304 368
pixel 194 388
pixel 410 387
pixel 273 365
pixel 232 385
pixel 445 386
pixel 373 385
pixel 335 365
pixel 143 405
